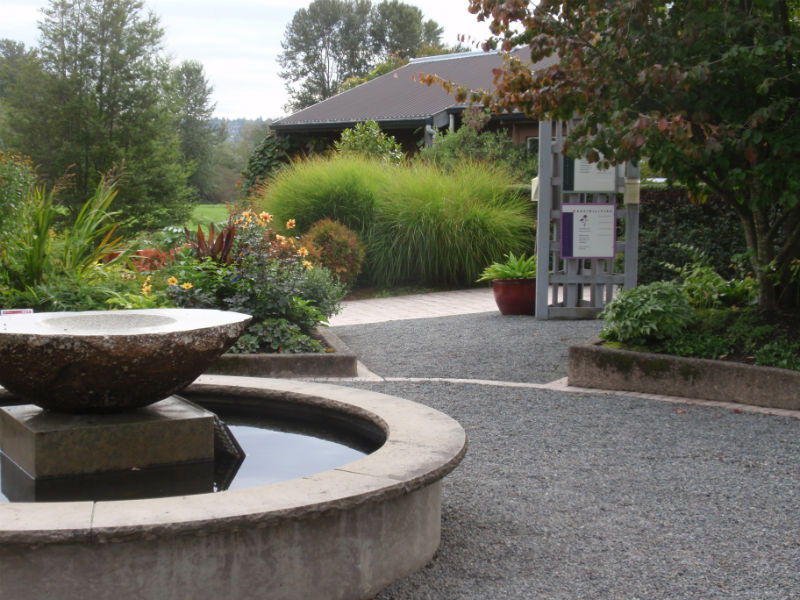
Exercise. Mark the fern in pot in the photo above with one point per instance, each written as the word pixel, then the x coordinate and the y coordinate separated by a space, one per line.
pixel 513 284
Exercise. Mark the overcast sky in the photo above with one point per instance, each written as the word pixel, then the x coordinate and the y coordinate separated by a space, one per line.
pixel 237 41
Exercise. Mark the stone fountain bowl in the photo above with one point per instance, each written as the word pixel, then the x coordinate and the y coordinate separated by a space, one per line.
pixel 109 361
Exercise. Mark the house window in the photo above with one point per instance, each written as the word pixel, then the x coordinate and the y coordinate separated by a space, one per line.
pixel 532 144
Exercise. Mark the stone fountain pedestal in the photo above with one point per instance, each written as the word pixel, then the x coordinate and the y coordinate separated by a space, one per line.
pixel 166 448
pixel 50 444
pixel 99 386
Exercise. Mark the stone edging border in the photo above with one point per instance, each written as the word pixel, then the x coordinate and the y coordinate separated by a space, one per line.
pixel 342 362
pixel 594 366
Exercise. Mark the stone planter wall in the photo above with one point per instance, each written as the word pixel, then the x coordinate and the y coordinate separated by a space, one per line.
pixel 594 366
pixel 339 363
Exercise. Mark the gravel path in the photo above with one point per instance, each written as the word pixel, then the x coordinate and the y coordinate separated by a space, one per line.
pixel 566 495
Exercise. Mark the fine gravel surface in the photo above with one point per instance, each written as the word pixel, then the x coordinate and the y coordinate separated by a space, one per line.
pixel 476 346
pixel 572 496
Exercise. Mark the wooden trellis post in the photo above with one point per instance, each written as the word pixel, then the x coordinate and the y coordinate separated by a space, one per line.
pixel 576 285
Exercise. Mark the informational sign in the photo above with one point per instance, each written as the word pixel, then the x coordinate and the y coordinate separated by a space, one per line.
pixel 589 178
pixel 582 176
pixel 588 230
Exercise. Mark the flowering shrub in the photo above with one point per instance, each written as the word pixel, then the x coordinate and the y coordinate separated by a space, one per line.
pixel 337 248
pixel 269 277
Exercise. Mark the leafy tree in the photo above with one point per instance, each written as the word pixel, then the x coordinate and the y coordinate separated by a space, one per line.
pixel 94 97
pixel 199 134
pixel 322 46
pixel 398 29
pixel 708 92
pixel 334 40
pixel 269 156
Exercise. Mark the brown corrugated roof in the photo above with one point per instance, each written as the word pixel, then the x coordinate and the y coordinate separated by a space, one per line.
pixel 398 96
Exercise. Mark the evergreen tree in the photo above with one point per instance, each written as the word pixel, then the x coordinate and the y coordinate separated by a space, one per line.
pixel 95 98
pixel 199 134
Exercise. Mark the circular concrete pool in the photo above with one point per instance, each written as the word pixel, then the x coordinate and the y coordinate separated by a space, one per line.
pixel 341 534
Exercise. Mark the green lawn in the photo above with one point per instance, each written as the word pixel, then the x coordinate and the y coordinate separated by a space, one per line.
pixel 203 214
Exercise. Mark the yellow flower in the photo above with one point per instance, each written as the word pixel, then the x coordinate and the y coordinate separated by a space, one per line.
pixel 308 265
pixel 265 216
pixel 303 251
pixel 146 289
pixel 186 286
pixel 290 224
pixel 280 238
pixel 172 281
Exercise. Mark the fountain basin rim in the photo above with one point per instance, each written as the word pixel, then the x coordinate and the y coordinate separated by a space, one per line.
pixel 129 323
pixel 422 446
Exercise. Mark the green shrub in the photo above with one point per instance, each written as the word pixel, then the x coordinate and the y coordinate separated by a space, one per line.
pixel 471 144
pixel 322 287
pixel 705 288
pixel 442 228
pixel 343 189
pixel 743 334
pixel 16 178
pixel 656 311
pixel 275 335
pixel 337 248
pixel 779 353
pixel 366 139
pixel 668 217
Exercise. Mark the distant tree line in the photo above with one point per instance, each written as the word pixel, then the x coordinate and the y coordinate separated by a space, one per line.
pixel 98 94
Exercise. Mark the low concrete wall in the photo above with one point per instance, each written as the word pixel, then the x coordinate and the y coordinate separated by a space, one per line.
pixel 339 363
pixel 594 366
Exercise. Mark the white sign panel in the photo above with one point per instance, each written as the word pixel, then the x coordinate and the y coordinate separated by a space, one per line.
pixel 589 178
pixel 588 230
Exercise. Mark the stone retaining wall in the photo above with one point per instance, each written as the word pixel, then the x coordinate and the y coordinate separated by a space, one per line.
pixel 341 362
pixel 594 366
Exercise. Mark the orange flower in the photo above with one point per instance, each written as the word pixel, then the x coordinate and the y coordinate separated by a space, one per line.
pixel 308 265
pixel 290 224
pixel 303 251
pixel 172 281
pixel 265 216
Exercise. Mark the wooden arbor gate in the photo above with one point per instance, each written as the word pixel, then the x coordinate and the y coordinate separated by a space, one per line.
pixel 577 263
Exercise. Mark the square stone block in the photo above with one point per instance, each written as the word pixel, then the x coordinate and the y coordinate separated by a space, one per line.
pixel 49 444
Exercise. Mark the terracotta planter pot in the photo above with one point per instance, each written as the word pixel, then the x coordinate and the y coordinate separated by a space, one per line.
pixel 515 296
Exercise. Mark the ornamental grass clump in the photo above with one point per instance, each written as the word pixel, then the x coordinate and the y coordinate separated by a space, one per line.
pixel 344 188
pixel 434 227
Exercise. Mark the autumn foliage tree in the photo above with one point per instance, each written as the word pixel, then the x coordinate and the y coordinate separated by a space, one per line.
pixel 708 92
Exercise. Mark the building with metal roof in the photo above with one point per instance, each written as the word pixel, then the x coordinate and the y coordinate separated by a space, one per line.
pixel 406 108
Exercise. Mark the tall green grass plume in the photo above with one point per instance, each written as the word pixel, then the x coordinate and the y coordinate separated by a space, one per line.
pixel 436 227
pixel 342 188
